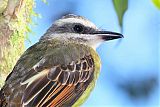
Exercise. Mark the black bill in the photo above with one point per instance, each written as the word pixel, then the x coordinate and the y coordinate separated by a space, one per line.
pixel 107 35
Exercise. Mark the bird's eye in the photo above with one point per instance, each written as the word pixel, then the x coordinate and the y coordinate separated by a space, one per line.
pixel 78 28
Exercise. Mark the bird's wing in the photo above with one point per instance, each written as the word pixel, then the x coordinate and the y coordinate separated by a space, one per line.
pixel 58 85
pixel 59 78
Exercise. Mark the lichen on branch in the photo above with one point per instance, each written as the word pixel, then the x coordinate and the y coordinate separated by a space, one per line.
pixel 15 15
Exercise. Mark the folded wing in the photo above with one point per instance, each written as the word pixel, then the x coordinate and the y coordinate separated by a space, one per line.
pixel 59 85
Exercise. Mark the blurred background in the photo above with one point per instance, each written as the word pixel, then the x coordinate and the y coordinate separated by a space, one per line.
pixel 130 70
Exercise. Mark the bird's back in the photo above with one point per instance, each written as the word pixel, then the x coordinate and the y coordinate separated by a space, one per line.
pixel 51 73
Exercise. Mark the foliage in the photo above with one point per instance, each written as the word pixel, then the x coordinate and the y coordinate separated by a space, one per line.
pixel 120 8
pixel 156 3
pixel 45 1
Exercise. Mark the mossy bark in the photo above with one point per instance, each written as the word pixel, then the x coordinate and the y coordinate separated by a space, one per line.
pixel 14 18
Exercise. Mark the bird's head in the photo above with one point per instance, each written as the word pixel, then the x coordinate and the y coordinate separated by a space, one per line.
pixel 74 28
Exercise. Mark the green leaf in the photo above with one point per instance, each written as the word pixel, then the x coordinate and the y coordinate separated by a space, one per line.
pixel 45 1
pixel 120 8
pixel 156 3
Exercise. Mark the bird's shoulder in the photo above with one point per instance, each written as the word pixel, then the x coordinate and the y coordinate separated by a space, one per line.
pixel 47 54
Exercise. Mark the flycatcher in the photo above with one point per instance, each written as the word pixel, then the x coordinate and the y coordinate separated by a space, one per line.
pixel 60 70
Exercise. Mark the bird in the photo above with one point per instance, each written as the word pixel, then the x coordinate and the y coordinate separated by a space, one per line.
pixel 61 69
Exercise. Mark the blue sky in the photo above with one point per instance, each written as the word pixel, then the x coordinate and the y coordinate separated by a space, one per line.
pixel 133 61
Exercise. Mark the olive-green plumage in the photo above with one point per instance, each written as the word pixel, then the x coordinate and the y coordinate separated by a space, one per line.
pixel 59 70
pixel 55 53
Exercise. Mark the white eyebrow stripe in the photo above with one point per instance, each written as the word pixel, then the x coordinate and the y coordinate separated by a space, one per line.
pixel 61 22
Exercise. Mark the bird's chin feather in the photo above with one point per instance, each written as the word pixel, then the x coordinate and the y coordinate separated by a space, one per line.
pixel 95 45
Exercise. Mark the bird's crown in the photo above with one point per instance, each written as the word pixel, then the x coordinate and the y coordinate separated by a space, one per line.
pixel 74 19
pixel 72 16
pixel 77 29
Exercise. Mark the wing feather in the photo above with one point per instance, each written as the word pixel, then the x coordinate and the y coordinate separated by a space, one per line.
pixel 58 86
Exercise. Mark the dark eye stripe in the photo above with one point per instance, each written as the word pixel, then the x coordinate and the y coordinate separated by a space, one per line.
pixel 78 28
